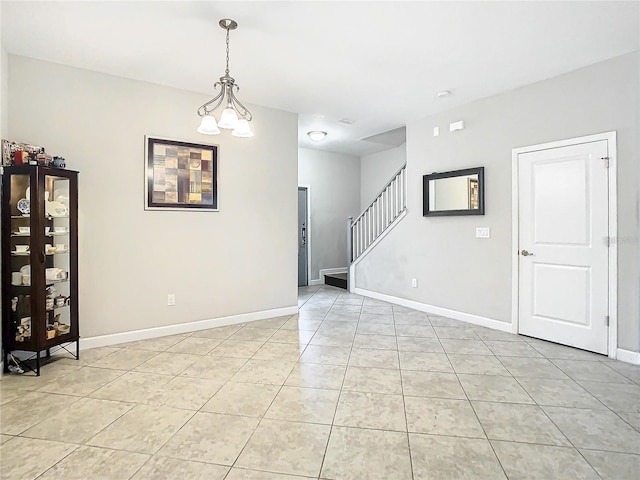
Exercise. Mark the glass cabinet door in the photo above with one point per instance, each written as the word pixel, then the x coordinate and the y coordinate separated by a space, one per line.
pixel 56 249
pixel 20 245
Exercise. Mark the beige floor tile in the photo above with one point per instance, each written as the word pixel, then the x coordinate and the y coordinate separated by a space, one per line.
pixel 236 349
pixel 132 387
pixel 512 349
pixel 9 394
pixel 5 438
pixel 490 334
pixel 161 468
pixel 364 357
pixel 211 438
pixel 275 322
pixel 96 464
pixel 297 337
pixel 159 344
pixel 221 333
pixel 337 328
pixel 144 429
pixel 403 330
pixel 431 384
pixel 440 321
pixel 405 318
pixel 557 392
pixel 376 329
pixel 581 370
pixel 614 466
pixel 595 429
pixel 337 317
pixel 248 399
pixel 518 423
pixel 460 333
pixel 425 362
pixel 380 342
pixel 371 410
pixel 309 405
pixel 332 339
pixel 532 367
pixel 273 372
pixel 195 345
pixel 493 388
pixel 189 393
pixel 383 318
pixel 279 351
pixel 254 334
pixel 81 382
pixel 526 461
pixel 477 364
pixel 215 368
pixel 168 363
pixel 419 344
pixel 286 447
pixel 90 355
pixel 307 324
pixel 124 359
pixel 446 458
pixel 377 309
pixel 28 410
pixel 374 380
pixel 442 417
pixel 632 372
pixel 355 453
pixel 78 422
pixel 27 458
pixel 326 355
pixel 465 347
pixel 48 373
pixel 624 398
pixel 631 418
pixel 314 375
pixel 555 351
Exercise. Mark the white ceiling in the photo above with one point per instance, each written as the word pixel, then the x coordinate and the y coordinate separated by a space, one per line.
pixel 378 64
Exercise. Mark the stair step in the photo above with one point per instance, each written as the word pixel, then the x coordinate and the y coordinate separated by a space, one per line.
pixel 339 280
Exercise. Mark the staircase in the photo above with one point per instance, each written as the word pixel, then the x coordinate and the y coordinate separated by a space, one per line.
pixel 375 221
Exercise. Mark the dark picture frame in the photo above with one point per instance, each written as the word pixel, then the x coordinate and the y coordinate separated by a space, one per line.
pixel 474 198
pixel 180 175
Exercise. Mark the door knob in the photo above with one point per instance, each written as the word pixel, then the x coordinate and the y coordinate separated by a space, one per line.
pixel 526 254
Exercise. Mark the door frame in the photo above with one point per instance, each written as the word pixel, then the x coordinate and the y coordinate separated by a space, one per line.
pixel 308 189
pixel 610 137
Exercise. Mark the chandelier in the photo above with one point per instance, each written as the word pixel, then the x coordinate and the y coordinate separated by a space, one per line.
pixel 235 115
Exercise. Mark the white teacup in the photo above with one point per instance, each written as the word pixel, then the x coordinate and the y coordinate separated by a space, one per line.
pixel 24 229
pixel 59 229
pixel 48 248
pixel 61 247
pixel 16 278
pixel 22 248
pixel 47 230
pixel 26 279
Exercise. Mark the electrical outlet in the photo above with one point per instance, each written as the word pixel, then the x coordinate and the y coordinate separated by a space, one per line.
pixel 171 299
pixel 414 282
pixel 483 232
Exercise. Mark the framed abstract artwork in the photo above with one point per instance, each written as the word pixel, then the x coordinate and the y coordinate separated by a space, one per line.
pixel 180 175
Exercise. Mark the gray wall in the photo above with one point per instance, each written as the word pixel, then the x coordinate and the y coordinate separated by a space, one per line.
pixel 457 271
pixel 376 170
pixel 335 196
pixel 241 259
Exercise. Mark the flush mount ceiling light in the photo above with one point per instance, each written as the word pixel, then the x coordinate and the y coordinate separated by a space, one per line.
pixel 235 115
pixel 317 135
pixel 444 93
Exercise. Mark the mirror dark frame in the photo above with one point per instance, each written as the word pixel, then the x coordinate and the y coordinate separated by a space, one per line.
pixel 455 173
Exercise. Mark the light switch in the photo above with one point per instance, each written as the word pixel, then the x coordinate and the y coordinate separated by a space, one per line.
pixel 436 131
pixel 483 232
pixel 459 125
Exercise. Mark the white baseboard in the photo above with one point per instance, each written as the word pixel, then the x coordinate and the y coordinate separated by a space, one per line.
pixel 316 281
pixel 147 333
pixel 628 356
pixel 445 312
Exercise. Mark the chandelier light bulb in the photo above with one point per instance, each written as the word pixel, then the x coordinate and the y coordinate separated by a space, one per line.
pixel 243 129
pixel 208 126
pixel 228 119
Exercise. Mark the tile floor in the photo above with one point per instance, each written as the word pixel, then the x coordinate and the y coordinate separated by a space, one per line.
pixel 351 388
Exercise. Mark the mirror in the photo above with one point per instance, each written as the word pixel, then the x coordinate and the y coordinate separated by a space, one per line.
pixel 460 192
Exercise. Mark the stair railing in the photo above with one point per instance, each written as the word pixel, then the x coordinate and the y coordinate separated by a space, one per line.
pixel 377 217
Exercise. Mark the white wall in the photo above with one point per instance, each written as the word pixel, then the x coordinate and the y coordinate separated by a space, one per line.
pixel 239 260
pixel 335 196
pixel 376 170
pixel 459 272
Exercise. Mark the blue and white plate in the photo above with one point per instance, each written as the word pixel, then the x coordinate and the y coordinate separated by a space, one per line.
pixel 24 206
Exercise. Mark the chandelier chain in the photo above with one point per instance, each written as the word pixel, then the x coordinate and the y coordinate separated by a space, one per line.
pixel 227 70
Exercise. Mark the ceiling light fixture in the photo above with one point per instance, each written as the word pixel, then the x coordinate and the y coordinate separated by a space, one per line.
pixel 235 115
pixel 444 94
pixel 317 135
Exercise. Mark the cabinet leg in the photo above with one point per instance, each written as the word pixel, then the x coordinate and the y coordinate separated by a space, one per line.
pixel 48 353
pixel 5 365
pixel 77 349
pixel 38 364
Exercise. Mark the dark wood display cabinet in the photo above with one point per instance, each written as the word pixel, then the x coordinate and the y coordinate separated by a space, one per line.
pixel 39 264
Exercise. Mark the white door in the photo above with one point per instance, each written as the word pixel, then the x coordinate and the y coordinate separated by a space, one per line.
pixel 563 251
